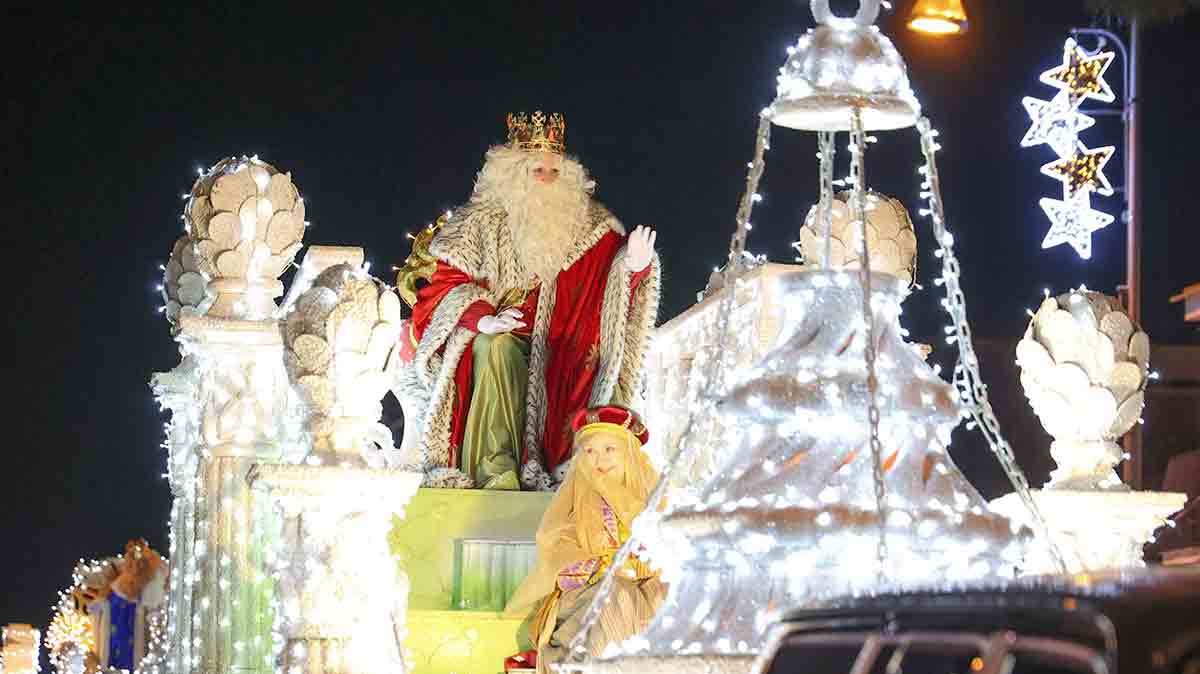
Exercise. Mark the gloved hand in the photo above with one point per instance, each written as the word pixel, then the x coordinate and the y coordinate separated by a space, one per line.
pixel 640 248
pixel 505 321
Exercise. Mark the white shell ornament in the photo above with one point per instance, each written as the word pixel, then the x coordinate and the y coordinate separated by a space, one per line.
pixel 1085 377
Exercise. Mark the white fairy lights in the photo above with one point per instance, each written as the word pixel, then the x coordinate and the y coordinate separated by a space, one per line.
pixel 21 650
pixel 1057 123
pixel 833 449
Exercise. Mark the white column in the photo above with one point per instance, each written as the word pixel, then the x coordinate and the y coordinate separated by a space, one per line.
pixel 342 599
pixel 231 407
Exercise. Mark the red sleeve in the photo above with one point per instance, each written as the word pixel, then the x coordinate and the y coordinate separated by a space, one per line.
pixel 477 310
pixel 445 279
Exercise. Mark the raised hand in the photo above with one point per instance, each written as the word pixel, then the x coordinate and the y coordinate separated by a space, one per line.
pixel 640 248
pixel 505 321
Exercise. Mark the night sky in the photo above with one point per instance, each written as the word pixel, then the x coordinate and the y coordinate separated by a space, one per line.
pixel 382 116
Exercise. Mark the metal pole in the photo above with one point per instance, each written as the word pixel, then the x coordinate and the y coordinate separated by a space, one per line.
pixel 1133 469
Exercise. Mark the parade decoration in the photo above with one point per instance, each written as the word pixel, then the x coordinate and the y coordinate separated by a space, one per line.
pixel 340 602
pixel 245 220
pixel 21 649
pixel 276 460
pixel 113 617
pixel 1057 123
pixel 834 443
pixel 890 236
pixel 1085 367
pixel 341 350
pixel 184 286
pixel 231 405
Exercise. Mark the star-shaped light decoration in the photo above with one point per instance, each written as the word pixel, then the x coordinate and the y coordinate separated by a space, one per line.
pixel 1056 123
pixel 1072 221
pixel 1080 75
pixel 1082 171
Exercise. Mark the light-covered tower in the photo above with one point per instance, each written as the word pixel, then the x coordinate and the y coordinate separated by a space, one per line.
pixel 231 406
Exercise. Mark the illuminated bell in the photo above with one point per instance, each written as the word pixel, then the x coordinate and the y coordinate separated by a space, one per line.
pixel 938 17
pixel 840 65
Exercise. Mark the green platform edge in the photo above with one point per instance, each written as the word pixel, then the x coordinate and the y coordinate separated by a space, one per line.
pixel 441 639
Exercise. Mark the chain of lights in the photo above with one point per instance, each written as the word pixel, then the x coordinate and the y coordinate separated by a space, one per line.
pixel 1057 123
pixel 966 371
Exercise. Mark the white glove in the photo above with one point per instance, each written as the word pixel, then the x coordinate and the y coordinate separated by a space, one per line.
pixel 505 321
pixel 640 248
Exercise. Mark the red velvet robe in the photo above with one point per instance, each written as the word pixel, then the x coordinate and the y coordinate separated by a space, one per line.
pixel 573 341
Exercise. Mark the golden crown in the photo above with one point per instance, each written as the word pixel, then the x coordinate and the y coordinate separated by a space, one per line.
pixel 537 132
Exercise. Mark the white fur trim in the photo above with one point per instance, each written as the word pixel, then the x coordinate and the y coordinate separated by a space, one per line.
pixel 477 241
pixel 447 478
pixel 643 313
pixel 535 478
pixel 625 323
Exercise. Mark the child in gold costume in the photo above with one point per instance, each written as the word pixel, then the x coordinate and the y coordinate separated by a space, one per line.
pixel 587 521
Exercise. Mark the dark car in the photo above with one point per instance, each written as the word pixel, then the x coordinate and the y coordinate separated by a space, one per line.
pixel 1144 621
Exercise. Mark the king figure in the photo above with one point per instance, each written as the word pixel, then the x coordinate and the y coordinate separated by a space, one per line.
pixel 540 305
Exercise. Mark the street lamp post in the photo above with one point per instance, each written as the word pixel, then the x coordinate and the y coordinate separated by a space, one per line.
pixel 1132 471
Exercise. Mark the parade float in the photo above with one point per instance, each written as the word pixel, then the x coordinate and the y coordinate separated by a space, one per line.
pixel 803 442
pixel 113 616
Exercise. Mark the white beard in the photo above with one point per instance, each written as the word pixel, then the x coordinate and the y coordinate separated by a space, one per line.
pixel 546 221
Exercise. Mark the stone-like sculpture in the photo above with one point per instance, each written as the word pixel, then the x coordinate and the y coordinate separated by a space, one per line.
pixel 344 600
pixel 891 239
pixel 231 406
pixel 245 220
pixel 341 350
pixel 1084 367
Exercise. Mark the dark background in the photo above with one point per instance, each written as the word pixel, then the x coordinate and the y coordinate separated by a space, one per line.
pixel 383 115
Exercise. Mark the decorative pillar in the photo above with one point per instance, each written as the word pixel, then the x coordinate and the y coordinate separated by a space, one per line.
pixel 1084 367
pixel 231 406
pixel 342 599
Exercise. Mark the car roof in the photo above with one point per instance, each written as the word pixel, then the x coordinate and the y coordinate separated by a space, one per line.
pixel 1161 586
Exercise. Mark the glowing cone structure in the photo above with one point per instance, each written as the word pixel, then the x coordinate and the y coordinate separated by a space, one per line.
pixel 792 517
pixel 837 480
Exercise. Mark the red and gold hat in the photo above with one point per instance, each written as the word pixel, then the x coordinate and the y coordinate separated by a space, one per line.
pixel 612 418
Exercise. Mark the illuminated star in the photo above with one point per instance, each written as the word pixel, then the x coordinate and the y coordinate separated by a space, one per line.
pixel 1082 171
pixel 1056 123
pixel 1080 75
pixel 1072 221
